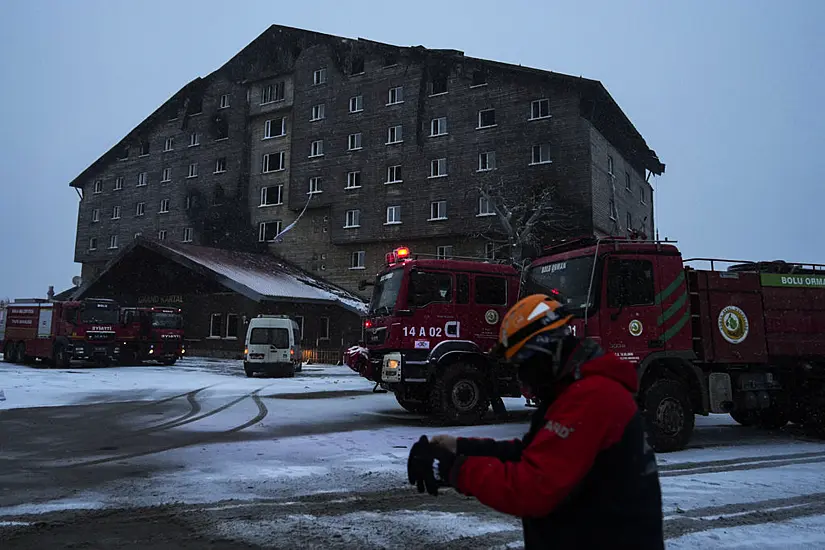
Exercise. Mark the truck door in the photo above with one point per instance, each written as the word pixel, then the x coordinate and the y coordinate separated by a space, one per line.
pixel 490 299
pixel 431 296
pixel 630 325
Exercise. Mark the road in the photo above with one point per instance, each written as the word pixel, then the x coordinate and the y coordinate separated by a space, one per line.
pixel 196 455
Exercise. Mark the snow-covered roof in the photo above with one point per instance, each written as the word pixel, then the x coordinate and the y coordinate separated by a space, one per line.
pixel 257 276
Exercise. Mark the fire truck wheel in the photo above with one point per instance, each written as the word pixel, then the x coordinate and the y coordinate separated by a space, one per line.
pixel 17 351
pixel 815 417
pixel 416 407
pixel 772 418
pixel 669 415
pixel 61 357
pixel 745 418
pixel 460 395
pixel 170 362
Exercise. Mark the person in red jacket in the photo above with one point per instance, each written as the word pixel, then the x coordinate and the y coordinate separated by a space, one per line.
pixel 584 475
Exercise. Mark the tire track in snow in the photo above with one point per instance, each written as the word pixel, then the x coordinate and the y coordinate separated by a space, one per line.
pixel 194 408
pixel 736 464
pixel 262 413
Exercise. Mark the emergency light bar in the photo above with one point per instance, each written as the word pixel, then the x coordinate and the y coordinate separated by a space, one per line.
pixel 397 255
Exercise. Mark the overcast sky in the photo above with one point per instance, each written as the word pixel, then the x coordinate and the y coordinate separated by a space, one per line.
pixel 729 94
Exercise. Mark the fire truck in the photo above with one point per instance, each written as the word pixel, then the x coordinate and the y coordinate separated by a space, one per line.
pixel 59 332
pixel 427 332
pixel 738 337
pixel 151 334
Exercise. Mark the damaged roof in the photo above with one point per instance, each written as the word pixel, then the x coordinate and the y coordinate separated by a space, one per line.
pixel 259 277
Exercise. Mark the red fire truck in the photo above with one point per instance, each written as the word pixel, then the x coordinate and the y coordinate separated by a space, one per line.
pixel 151 334
pixel 748 339
pixel 59 332
pixel 427 331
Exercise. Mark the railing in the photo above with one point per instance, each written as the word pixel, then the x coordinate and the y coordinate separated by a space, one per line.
pixel 322 356
pixel 758 266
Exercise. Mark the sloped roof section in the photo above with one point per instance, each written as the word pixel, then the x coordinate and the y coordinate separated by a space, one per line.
pixel 259 277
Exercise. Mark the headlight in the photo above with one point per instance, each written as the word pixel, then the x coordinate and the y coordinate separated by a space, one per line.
pixel 393 364
pixel 392 368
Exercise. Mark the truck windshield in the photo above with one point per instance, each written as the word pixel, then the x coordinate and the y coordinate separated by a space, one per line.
pixel 95 312
pixel 171 321
pixel 571 278
pixel 385 293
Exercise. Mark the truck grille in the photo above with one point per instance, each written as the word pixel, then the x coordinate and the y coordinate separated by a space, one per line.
pixel 376 336
pixel 100 336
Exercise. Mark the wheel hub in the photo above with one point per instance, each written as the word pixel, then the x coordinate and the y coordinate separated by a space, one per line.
pixel 670 418
pixel 465 395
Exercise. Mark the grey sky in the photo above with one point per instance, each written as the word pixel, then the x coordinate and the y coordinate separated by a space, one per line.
pixel 729 94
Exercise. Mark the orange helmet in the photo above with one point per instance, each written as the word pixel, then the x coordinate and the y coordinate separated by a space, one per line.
pixel 534 321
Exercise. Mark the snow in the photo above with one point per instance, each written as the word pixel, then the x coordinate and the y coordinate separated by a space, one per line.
pixel 800 533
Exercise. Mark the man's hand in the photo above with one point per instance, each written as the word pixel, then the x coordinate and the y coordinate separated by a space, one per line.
pixel 422 469
pixel 447 442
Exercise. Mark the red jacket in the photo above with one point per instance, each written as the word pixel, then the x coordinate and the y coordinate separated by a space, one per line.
pixel 584 475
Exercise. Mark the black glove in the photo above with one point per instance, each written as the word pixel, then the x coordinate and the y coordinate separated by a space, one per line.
pixel 422 470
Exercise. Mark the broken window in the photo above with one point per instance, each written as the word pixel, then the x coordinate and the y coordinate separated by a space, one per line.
pixel 357 65
pixel 439 84
pixel 144 148
pixel 479 78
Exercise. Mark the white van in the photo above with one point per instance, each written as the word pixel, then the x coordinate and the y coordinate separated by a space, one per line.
pixel 273 346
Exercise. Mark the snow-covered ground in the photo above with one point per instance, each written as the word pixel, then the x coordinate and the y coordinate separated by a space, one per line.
pixel 333 453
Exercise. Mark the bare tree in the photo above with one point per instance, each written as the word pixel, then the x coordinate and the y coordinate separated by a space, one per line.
pixel 524 216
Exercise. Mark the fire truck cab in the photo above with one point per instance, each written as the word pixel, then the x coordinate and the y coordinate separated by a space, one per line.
pixel 429 325
pixel 151 334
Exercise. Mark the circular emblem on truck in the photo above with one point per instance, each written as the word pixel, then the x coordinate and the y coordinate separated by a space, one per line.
pixel 491 316
pixel 635 327
pixel 733 324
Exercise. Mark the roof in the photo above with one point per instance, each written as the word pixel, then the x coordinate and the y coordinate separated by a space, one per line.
pixel 593 90
pixel 259 277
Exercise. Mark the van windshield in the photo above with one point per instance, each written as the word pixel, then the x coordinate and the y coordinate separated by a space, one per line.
pixel 278 337
pixel 385 293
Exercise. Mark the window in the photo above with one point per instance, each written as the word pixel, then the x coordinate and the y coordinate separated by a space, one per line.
pixel 642 194
pixel 356 104
pixel 113 241
pixel 541 154
pixel 267 231
pixel 317 112
pixel 323 333
pixel 319 77
pixel 396 95
pixel 629 220
pixel 394 174
pixel 462 288
pixel 438 126
pixel 353 180
pixel 393 215
pixel 116 212
pixel 143 179
pixel 438 85
pixel 444 252
pixel 273 162
pixel 118 183
pixel 272 92
pixel 486 118
pixel 426 287
pixel 93 243
pixel 275 128
pixel 232 326
pixel 490 251
pixel 438 168
pixel 609 165
pixel 144 148
pixel 611 205
pixel 220 165
pixel 98 187
pixel 353 219
pixel 272 195
pixel 95 215
pixel 216 325
pixel 140 210
pixel 167 175
pixel 629 283
pixel 190 201
pixel 394 135
pixel 164 206
pixel 194 139
pixel 224 103
pixel 169 144
pixel 162 235
pixel 627 181
pixel 123 154
pixel 193 170
pixel 486 161
pixel 356 260
pixel 479 78
pixel 187 234
pixel 491 291
pixel 438 210
pixel 357 65
pixel 316 148
pixel 540 109
pixel 354 142
pixel 315 185
pixel 485 208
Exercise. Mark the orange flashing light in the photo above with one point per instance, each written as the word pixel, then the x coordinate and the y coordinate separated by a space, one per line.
pixel 402 253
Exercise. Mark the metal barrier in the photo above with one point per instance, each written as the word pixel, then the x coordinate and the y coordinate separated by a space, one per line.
pixel 323 356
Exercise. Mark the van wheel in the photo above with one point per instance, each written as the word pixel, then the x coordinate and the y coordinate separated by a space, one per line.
pixel 460 395
pixel 248 371
pixel 669 415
